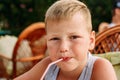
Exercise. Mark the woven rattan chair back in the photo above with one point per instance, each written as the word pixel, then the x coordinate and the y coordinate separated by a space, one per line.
pixel 108 40
pixel 26 44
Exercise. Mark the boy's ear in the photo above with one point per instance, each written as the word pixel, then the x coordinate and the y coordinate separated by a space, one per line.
pixel 92 40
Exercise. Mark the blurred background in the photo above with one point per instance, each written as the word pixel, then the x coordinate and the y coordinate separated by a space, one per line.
pixel 16 15
pixel 19 52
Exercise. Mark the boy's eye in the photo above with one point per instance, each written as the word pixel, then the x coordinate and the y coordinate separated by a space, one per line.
pixel 74 37
pixel 54 38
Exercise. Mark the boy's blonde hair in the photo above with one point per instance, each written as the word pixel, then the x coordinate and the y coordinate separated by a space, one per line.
pixel 65 9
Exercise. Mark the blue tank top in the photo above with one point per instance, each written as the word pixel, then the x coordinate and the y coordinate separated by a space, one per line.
pixel 85 75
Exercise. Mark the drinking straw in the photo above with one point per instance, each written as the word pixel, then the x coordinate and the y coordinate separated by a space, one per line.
pixel 49 67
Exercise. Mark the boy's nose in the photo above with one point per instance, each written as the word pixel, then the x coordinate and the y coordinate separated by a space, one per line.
pixel 64 47
pixel 63 51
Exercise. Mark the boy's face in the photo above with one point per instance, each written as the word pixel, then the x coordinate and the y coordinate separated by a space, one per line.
pixel 69 39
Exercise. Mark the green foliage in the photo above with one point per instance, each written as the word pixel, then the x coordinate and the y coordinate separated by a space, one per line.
pixel 16 15
pixel 100 11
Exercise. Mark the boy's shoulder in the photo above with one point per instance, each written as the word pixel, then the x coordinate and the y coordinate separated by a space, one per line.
pixel 102 70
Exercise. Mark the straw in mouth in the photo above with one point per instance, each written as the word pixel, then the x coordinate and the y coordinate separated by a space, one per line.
pixel 66 58
pixel 49 67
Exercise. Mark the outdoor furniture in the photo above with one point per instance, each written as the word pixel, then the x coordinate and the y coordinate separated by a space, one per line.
pixel 7 43
pixel 30 48
pixel 108 40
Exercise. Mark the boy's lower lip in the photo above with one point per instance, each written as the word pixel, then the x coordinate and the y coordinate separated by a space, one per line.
pixel 66 58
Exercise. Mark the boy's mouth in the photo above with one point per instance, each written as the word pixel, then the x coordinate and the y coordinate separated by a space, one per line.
pixel 66 58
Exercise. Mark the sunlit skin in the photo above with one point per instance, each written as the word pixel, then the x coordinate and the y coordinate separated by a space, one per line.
pixel 69 39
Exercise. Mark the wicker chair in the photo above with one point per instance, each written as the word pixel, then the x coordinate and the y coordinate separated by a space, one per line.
pixel 7 43
pixel 108 40
pixel 3 71
pixel 29 49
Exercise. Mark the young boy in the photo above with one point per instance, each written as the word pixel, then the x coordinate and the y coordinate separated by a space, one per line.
pixel 70 36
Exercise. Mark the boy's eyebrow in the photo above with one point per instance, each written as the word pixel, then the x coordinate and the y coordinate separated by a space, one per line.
pixel 69 33
pixel 72 33
pixel 51 35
